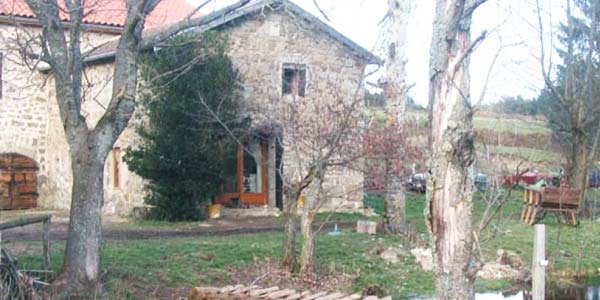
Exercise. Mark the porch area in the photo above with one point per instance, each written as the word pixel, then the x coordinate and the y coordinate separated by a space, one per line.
pixel 257 181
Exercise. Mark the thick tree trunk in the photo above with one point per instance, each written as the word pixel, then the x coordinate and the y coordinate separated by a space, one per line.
pixel 449 186
pixel 578 160
pixel 578 167
pixel 395 205
pixel 396 89
pixel 82 254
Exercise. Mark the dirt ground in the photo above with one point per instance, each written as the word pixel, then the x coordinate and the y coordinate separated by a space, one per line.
pixel 119 228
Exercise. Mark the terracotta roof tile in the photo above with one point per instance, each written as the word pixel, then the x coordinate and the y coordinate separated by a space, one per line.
pixel 107 12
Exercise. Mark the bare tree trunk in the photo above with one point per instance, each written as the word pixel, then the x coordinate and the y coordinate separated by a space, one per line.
pixel 82 254
pixel 396 90
pixel 578 166
pixel 289 238
pixel 451 140
pixel 308 239
pixel 394 218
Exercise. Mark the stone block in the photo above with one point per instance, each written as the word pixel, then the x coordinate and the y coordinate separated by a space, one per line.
pixel 368 227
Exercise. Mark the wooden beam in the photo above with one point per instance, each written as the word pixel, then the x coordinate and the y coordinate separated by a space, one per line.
pixel 46 243
pixel 24 221
pixel 240 172
pixel 264 173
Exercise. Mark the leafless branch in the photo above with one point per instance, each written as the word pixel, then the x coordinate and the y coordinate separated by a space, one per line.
pixel 189 23
pixel 315 2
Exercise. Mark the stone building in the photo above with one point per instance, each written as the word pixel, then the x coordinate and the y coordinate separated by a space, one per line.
pixel 283 54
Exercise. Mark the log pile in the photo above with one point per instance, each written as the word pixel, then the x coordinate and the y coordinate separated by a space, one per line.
pixel 241 292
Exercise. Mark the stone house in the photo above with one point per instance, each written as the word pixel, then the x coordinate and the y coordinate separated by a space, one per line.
pixel 281 51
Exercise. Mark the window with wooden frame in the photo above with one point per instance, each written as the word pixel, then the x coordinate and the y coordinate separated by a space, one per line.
pixel 116 167
pixel 293 81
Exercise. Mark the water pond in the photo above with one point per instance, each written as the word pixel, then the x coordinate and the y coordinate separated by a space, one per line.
pixel 575 293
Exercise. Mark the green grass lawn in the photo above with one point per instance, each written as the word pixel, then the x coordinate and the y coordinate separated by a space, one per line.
pixel 511 125
pixel 136 267
pixel 517 126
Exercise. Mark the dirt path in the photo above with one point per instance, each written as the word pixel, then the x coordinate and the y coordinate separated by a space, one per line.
pixel 116 228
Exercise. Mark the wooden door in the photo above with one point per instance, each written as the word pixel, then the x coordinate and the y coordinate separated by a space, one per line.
pixel 18 182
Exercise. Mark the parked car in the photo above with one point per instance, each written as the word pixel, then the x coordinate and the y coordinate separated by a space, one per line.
pixel 594 179
pixel 417 183
pixel 480 181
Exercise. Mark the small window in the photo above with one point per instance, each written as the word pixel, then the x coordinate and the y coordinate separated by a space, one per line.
pixel 116 164
pixel 294 80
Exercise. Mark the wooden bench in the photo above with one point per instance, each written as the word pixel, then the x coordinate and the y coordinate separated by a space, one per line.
pixel 564 202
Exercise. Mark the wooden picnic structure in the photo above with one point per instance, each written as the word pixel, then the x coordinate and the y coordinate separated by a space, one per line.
pixel 562 201
pixel 241 292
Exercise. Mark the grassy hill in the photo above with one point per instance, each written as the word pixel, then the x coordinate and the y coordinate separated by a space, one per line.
pixel 506 140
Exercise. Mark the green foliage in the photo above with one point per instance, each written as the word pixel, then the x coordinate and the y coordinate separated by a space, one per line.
pixel 577 80
pixel 185 152
pixel 517 106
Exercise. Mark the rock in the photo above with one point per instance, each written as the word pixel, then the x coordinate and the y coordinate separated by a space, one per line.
pixel 496 270
pixel 368 227
pixel 510 258
pixel 508 265
pixel 390 255
pixel 423 257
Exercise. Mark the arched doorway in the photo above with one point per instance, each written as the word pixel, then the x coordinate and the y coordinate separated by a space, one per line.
pixel 18 181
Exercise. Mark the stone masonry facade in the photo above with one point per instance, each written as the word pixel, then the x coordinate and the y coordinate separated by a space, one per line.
pixel 260 44
pixel 29 121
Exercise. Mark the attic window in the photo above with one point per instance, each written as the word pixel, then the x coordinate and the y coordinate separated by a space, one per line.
pixel 293 80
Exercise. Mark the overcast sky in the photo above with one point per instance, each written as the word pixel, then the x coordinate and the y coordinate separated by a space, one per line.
pixel 512 25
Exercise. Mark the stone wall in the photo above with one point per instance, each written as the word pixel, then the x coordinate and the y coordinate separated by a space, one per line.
pixel 29 120
pixel 259 46
pixel 122 194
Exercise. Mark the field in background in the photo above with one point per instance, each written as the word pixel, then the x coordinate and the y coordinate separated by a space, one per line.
pixel 510 140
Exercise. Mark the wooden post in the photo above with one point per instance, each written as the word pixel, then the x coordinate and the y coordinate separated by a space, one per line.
pixel 46 243
pixel 539 262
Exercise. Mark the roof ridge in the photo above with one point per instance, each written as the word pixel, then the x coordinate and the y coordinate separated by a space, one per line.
pixel 107 50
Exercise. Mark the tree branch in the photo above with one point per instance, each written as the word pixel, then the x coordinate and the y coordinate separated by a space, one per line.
pixel 473 5
pixel 469 50
pixel 321 11
pixel 60 58
pixel 188 23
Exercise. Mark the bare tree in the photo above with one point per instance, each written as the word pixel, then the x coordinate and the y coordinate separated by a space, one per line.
pixel 321 138
pixel 396 89
pixel 451 142
pixel 89 147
